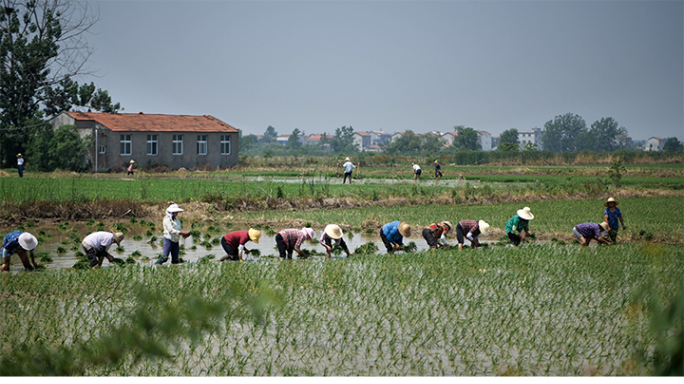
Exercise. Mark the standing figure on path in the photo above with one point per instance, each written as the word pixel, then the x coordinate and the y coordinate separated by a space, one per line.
pixel 130 168
pixel 393 234
pixel 416 172
pixel 20 243
pixel 333 232
pixel 348 166
pixel 519 223
pixel 434 233
pixel 20 165
pixel 172 233
pixel 611 215
pixel 472 230
pixel 96 246
pixel 289 240
pixel 438 170
pixel 588 231
pixel 234 243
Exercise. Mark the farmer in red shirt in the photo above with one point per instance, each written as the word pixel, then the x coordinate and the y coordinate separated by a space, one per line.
pixel 234 243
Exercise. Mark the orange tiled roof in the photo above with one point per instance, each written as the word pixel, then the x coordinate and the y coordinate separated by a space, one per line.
pixel 140 122
pixel 362 133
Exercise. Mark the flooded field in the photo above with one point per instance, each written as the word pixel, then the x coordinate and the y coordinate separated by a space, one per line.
pixel 62 247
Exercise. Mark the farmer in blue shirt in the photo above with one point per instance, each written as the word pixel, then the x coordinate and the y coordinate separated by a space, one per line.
pixel 393 234
pixel 611 215
pixel 19 242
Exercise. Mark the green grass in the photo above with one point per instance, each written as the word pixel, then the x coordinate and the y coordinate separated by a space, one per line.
pixel 541 310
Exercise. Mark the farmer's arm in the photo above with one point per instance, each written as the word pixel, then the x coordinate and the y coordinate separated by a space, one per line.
pixel 33 259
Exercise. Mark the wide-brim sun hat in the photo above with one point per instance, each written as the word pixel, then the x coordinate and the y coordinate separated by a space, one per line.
pixel 27 241
pixel 19 155
pixel 605 226
pixel 173 208
pixel 254 235
pixel 346 158
pixel 525 214
pixel 611 200
pixel 309 233
pixel 132 161
pixel 484 227
pixel 449 225
pixel 118 238
pixel 404 229
pixel 334 231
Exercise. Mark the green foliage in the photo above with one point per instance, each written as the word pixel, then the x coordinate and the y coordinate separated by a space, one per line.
pixel 407 144
pixel 508 141
pixel 616 171
pixel 293 142
pixel 562 132
pixel 343 141
pixel 466 139
pixel 672 144
pixel 59 149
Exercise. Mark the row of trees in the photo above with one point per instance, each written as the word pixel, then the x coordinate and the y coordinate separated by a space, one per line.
pixel 42 51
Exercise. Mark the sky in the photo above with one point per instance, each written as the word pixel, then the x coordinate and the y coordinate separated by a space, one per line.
pixel 396 65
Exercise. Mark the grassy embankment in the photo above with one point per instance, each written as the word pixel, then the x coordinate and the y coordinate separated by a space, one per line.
pixel 539 310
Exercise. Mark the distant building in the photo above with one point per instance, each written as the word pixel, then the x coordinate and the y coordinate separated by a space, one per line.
pixel 174 141
pixel 654 144
pixel 373 148
pixel 495 143
pixel 282 139
pixel 449 138
pixel 484 138
pixel 624 141
pixel 533 136
pixel 379 137
pixel 362 139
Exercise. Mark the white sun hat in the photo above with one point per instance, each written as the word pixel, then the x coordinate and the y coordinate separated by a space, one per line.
pixel 174 208
pixel 525 214
pixel 28 241
pixel 484 227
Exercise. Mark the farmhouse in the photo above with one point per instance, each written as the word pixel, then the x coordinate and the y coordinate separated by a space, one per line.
pixel 174 141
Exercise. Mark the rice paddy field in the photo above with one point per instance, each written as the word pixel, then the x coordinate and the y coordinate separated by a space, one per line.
pixel 536 310
pixel 547 308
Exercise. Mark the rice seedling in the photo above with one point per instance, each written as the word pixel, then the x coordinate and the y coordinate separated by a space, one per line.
pixel 149 233
pixel 119 227
pixel 44 257
pixel 137 237
pixel 136 253
pixel 60 250
pixel 152 240
pixel 120 249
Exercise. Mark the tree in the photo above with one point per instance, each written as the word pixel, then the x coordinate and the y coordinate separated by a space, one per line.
pixel 672 144
pixel 603 136
pixel 293 141
pixel 62 148
pixel 508 141
pixel 270 135
pixel 562 133
pixel 246 142
pixel 343 141
pixel 407 144
pixel 431 144
pixel 466 139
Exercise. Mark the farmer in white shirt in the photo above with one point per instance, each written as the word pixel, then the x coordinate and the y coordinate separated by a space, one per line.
pixel 96 246
pixel 416 172
pixel 348 166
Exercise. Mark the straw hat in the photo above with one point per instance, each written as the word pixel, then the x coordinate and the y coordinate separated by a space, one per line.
pixel 346 158
pixel 254 235
pixel 19 155
pixel 484 227
pixel 436 161
pixel 308 232
pixel 132 161
pixel 611 200
pixel 404 229
pixel 525 214
pixel 28 241
pixel 334 231
pixel 118 238
pixel 605 226
pixel 448 224
pixel 174 208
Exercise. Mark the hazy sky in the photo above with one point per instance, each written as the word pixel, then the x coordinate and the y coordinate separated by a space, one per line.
pixel 396 65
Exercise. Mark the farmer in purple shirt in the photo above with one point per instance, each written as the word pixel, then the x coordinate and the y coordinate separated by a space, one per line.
pixel 588 231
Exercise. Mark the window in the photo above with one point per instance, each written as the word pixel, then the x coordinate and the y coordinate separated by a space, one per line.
pixel 126 145
pixel 103 149
pixel 177 144
pixel 225 144
pixel 201 144
pixel 152 145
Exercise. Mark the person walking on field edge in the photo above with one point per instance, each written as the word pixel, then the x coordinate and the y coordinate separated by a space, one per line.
pixel 611 215
pixel 348 166
pixel 392 235
pixel 20 165
pixel 234 243
pixel 172 234
pixel 130 168
pixel 438 170
pixel 333 232
pixel 289 240
pixel 20 243
pixel 416 172
pixel 587 231
pixel 434 233
pixel 96 246
pixel 519 223
pixel 472 230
